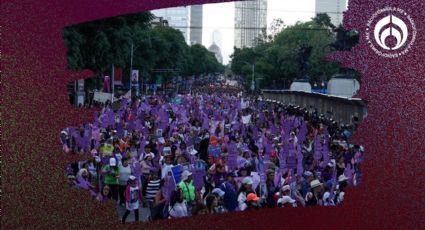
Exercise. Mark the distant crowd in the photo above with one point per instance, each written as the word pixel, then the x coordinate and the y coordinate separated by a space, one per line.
pixel 213 151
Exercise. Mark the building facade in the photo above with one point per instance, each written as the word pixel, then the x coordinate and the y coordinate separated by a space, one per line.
pixel 196 14
pixel 187 19
pixel 250 20
pixel 334 8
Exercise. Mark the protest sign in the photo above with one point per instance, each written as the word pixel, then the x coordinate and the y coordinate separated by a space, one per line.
pixel 246 119
pixel 176 172
pixel 214 151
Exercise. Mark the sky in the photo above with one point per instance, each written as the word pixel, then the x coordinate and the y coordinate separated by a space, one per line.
pixel 219 18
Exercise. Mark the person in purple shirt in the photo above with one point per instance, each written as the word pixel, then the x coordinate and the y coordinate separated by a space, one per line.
pixel 220 175
pixel 229 188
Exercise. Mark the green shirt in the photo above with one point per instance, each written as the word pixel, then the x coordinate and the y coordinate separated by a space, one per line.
pixel 110 177
pixel 188 190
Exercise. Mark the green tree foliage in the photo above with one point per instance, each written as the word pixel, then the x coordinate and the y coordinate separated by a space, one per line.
pixel 275 58
pixel 100 44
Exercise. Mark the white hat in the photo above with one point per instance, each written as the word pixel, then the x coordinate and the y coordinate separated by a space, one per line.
pixel 186 175
pixel 132 177
pixel 166 150
pixel 285 199
pixel 247 180
pixel 218 191
pixel 161 140
pixel 308 173
pixel 315 183
pixel 286 188
pixel 342 178
pixel 112 161
pixel 193 152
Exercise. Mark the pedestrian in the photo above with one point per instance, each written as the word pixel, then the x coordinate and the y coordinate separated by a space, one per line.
pixel 252 202
pixel 212 203
pixel 187 188
pixel 229 188
pixel 245 189
pixel 124 174
pixel 104 194
pixel 178 206
pixel 133 195
pixel 111 173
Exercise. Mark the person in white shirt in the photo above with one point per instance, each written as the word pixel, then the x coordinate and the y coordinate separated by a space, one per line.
pixel 178 206
pixel 245 189
pixel 124 174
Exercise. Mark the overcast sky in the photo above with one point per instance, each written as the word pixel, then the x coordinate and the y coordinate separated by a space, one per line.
pixel 220 17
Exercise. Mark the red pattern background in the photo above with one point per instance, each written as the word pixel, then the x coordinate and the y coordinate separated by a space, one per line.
pixel 34 108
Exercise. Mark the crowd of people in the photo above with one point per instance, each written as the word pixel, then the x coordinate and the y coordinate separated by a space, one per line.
pixel 213 151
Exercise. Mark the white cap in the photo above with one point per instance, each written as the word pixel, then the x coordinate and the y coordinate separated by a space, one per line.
pixel 193 152
pixel 186 174
pixel 285 188
pixel 285 199
pixel 112 161
pixel 247 180
pixel 161 140
pixel 342 178
pixel 315 183
pixel 218 191
pixel 132 177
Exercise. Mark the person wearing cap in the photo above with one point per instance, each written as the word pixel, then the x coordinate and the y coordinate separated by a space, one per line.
pixel 342 183
pixel 286 201
pixel 111 175
pixel 147 165
pixel 305 184
pixel 252 202
pixel 187 188
pixel 133 195
pixel 245 189
pixel 314 197
pixel 217 192
pixel 229 188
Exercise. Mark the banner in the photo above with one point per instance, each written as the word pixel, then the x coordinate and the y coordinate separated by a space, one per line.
pixel 215 151
pixel 135 78
pixel 117 76
pixel 177 171
pixel 102 97
pixel 246 119
pixel 106 84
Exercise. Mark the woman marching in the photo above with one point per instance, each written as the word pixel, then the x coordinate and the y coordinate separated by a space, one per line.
pixel 133 195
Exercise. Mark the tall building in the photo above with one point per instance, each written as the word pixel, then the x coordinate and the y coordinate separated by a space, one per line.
pixel 250 20
pixel 333 8
pixel 216 44
pixel 178 18
pixel 196 13
pixel 187 19
pixel 217 52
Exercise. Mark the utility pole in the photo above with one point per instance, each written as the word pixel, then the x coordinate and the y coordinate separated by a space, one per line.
pixel 112 83
pixel 131 69
pixel 253 81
